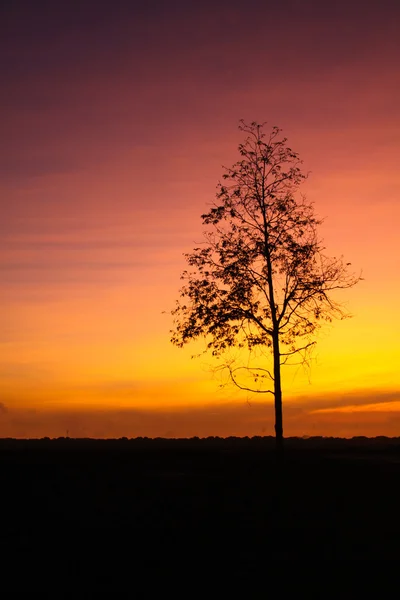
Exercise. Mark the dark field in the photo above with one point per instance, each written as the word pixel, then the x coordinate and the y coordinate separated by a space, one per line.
pixel 87 510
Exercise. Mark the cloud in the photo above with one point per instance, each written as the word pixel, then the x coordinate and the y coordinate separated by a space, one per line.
pixel 16 166
pixel 24 372
pixel 341 400
pixel 239 419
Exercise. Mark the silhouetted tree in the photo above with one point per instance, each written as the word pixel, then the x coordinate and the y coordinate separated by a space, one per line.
pixel 261 278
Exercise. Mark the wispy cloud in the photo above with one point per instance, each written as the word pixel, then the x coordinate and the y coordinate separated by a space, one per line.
pixel 237 418
pixel 344 400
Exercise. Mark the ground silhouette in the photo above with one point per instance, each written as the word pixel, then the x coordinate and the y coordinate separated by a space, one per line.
pixel 83 510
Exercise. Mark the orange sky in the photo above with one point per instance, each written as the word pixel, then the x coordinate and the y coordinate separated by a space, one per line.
pixel 115 124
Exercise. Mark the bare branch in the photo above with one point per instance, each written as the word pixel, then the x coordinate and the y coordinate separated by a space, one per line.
pixel 245 388
pixel 298 349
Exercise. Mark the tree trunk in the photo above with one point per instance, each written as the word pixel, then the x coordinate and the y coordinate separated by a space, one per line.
pixel 278 398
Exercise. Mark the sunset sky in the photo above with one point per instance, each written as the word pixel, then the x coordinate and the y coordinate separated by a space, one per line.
pixel 115 121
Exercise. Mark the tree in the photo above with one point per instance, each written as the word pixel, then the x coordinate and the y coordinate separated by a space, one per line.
pixel 261 278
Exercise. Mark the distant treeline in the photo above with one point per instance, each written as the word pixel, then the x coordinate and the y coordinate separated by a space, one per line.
pixel 379 443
